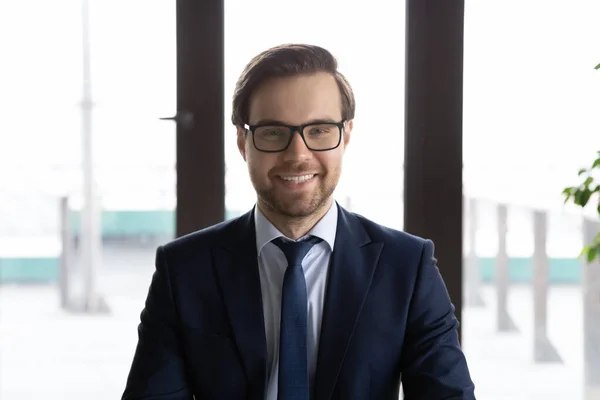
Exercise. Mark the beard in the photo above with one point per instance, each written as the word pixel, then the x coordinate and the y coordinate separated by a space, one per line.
pixel 300 204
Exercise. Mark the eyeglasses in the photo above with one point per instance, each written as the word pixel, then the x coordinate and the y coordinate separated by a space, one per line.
pixel 274 138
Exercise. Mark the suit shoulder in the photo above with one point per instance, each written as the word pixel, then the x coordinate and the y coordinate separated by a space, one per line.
pixel 380 233
pixel 401 250
pixel 203 238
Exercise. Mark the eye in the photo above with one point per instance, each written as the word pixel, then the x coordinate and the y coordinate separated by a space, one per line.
pixel 321 129
pixel 272 132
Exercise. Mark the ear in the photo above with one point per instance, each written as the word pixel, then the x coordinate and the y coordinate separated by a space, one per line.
pixel 348 126
pixel 241 141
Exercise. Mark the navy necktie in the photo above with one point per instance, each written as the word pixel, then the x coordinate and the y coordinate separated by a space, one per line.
pixel 293 351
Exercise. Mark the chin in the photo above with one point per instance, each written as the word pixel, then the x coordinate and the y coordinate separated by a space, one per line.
pixel 296 210
pixel 302 206
pixel 293 206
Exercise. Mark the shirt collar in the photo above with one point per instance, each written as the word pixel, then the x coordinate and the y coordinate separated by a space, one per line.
pixel 325 229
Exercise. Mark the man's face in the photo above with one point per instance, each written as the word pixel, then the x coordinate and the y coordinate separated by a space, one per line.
pixel 295 100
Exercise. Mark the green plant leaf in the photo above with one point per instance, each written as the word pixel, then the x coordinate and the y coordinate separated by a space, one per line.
pixel 582 196
pixel 577 197
pixel 591 254
pixel 587 194
pixel 597 66
pixel 569 194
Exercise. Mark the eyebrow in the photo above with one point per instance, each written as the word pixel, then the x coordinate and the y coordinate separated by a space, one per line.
pixel 312 121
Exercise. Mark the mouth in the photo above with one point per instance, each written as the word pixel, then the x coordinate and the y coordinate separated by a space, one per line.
pixel 296 181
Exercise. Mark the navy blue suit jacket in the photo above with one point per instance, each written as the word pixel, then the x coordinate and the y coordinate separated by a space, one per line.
pixel 387 317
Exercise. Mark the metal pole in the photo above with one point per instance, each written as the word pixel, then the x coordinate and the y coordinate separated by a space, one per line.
pixel 505 322
pixel 90 218
pixel 591 317
pixel 348 204
pixel 65 258
pixel 473 273
pixel 544 351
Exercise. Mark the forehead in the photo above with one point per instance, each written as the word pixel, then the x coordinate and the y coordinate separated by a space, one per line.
pixel 296 99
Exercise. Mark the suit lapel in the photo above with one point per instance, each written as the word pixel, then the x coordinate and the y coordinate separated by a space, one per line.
pixel 351 270
pixel 237 273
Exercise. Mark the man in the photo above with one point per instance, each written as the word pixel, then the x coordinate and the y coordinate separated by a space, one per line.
pixel 298 298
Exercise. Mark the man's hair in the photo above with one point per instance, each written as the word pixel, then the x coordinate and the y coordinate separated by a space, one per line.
pixel 284 61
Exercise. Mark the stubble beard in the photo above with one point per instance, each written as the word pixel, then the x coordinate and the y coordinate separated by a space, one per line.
pixel 298 205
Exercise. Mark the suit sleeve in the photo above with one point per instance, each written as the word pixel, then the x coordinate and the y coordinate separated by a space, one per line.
pixel 434 366
pixel 157 371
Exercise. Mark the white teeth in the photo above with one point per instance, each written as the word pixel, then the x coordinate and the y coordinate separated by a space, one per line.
pixel 297 179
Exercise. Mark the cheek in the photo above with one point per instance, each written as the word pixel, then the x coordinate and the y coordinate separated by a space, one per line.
pixel 259 164
pixel 330 161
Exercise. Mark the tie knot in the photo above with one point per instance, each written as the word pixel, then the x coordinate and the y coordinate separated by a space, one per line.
pixel 296 251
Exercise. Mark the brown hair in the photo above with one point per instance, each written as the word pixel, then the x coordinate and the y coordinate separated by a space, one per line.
pixel 288 60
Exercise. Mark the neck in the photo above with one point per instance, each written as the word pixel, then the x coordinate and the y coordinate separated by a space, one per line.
pixel 294 227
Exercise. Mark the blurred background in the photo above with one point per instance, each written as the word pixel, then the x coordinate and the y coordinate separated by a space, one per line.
pixel 88 176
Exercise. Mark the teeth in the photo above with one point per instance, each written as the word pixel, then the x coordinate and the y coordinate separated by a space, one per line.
pixel 297 179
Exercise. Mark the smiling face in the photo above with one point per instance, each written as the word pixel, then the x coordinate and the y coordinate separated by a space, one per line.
pixel 296 182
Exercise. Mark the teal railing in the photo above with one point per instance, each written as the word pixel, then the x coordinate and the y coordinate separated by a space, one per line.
pixel 161 224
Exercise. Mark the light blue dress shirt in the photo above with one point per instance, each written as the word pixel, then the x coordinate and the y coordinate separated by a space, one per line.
pixel 271 266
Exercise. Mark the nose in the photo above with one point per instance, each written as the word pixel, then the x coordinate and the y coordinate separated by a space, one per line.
pixel 297 150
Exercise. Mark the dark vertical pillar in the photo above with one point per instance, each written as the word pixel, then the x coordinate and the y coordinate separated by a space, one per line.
pixel 200 105
pixel 433 132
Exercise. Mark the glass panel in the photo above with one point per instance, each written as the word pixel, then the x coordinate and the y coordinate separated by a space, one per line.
pixel 368 41
pixel 531 101
pixel 81 352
